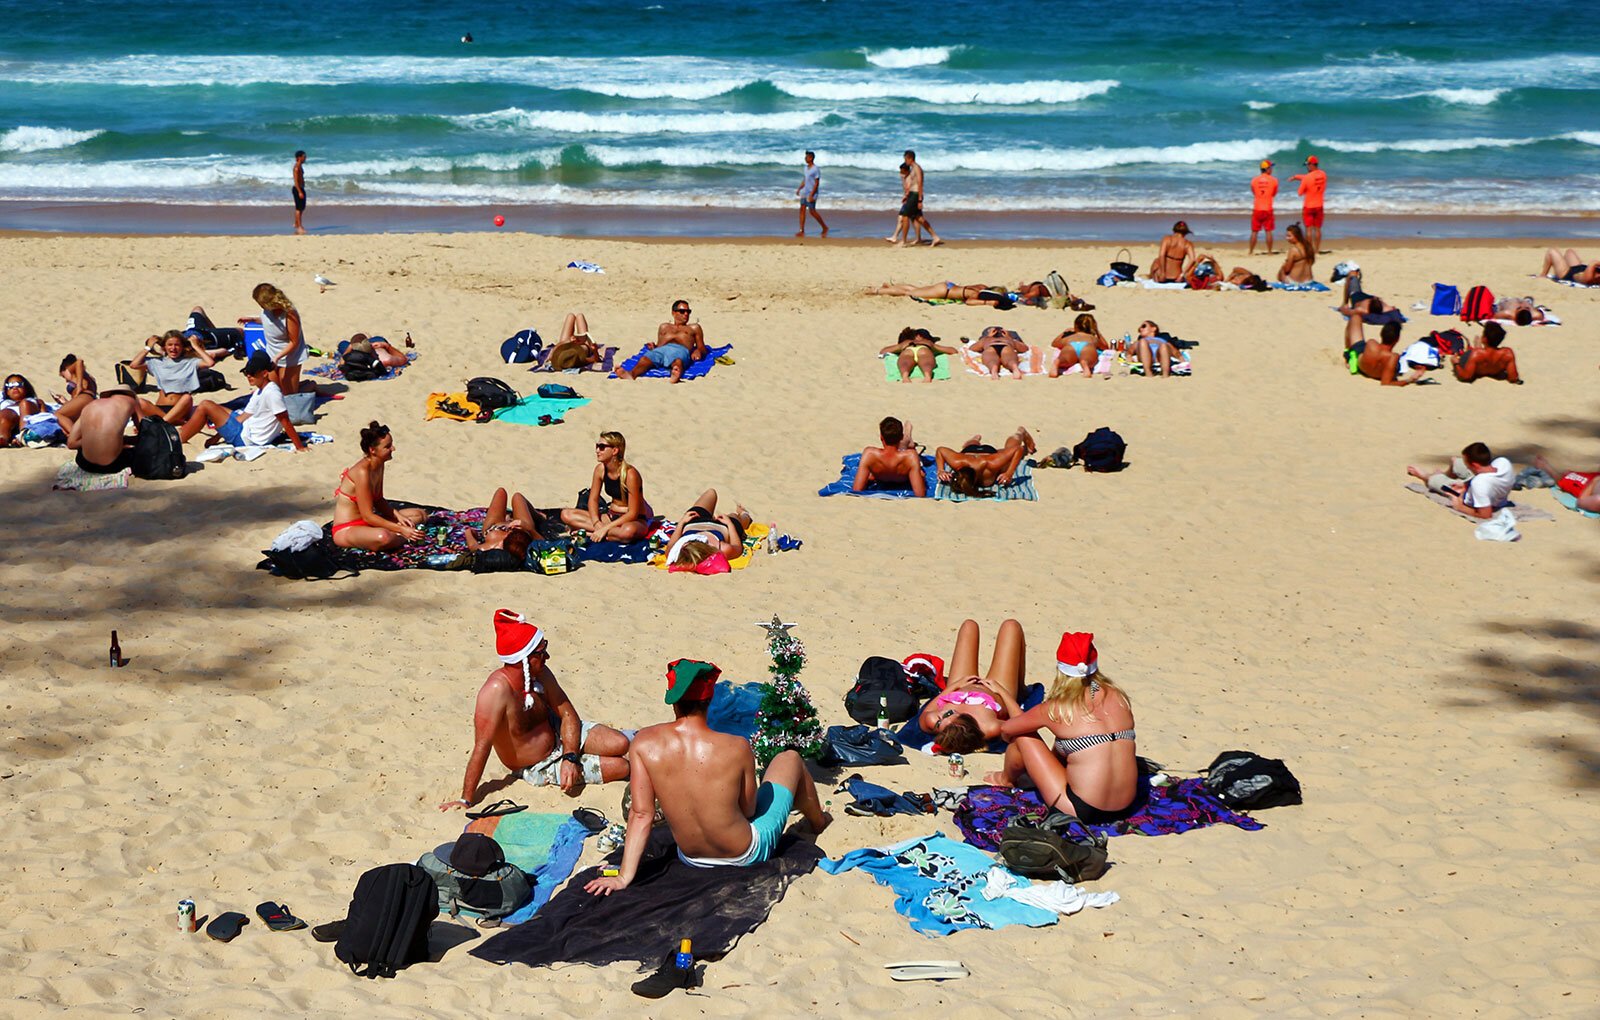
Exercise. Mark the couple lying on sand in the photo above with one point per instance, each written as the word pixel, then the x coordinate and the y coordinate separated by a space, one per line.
pixel 704 781
pixel 972 470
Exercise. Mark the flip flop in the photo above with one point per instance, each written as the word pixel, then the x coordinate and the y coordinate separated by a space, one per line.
pixel 276 917
pixel 227 926
pixel 926 970
pixel 497 809
pixel 725 359
pixel 590 819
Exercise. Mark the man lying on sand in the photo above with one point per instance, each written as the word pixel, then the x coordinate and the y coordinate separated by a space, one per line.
pixel 1484 358
pixel 525 717
pixel 893 463
pixel 677 344
pixel 705 784
pixel 1377 359
pixel 1488 480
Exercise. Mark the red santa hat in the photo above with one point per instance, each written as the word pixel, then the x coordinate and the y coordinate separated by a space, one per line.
pixel 920 662
pixel 514 640
pixel 1076 655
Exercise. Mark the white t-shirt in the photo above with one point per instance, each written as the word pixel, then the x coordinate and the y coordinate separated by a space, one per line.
pixel 809 183
pixel 262 428
pixel 1492 488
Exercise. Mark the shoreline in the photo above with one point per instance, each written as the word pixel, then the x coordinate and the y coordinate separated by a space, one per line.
pixel 744 226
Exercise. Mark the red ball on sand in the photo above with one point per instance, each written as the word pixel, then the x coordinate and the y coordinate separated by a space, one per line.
pixel 499 221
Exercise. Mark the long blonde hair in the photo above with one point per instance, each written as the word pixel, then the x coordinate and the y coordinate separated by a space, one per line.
pixel 692 554
pixel 1069 695
pixel 272 299
pixel 616 441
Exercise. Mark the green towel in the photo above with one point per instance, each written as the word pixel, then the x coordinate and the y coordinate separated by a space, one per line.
pixel 528 410
pixel 891 367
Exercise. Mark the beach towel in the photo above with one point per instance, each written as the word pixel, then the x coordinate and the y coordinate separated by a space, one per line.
pixel 531 408
pixel 1149 284
pixel 851 462
pixel 1308 286
pixel 938 884
pixel 607 363
pixel 1035 362
pixel 912 734
pixel 693 370
pixel 1019 488
pixel 754 535
pixel 891 368
pixel 445 537
pixel 584 267
pixel 433 406
pixel 1570 501
pixel 1573 283
pixel 546 845
pixel 667 901
pixel 1187 804
pixel 72 478
pixel 612 552
pixel 333 372
pixel 1519 511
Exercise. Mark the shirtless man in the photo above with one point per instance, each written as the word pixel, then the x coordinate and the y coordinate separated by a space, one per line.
pixel 1174 257
pixel 1484 358
pixel 912 209
pixel 678 343
pixel 525 717
pixel 298 191
pixel 99 432
pixel 1377 359
pixel 895 462
pixel 705 784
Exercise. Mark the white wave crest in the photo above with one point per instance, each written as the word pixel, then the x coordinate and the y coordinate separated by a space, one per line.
pixel 946 93
pixel 1257 104
pixel 39 139
pixel 1463 97
pixel 572 122
pixel 913 56
pixel 1451 144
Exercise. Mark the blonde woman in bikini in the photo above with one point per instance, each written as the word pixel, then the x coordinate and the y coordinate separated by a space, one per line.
pixel 1081 345
pixel 362 518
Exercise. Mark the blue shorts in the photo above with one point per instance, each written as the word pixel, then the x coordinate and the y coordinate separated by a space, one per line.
pixel 773 804
pixel 666 354
pixel 808 203
pixel 232 430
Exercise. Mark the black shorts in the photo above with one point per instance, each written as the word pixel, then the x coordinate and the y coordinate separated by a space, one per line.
pixel 299 199
pixel 911 208
pixel 979 448
pixel 124 460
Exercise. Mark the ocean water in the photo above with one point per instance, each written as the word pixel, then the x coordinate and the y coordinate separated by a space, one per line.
pixel 1430 107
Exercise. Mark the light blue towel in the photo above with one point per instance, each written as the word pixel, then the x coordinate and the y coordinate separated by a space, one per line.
pixel 1021 487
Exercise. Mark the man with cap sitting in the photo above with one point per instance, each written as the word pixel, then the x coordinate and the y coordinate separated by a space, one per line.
pixel 1174 257
pixel 705 783
pixel 100 432
pixel 1313 186
pixel 523 715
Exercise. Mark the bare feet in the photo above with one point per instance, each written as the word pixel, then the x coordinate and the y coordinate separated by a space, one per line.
pixel 799 233
pixel 974 441
pixel 1544 465
pixel 824 232
pixel 936 242
pixel 1414 472
pixel 817 829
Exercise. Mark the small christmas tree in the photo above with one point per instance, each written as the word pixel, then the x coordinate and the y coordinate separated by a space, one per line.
pixel 786 718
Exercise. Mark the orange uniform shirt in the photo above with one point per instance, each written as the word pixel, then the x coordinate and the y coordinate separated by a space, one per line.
pixel 1265 188
pixel 1312 186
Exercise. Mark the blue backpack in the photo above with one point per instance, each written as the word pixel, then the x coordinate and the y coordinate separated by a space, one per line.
pixel 522 348
pixel 1446 300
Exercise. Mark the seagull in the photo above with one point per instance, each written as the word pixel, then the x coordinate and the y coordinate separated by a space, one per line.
pixel 322 281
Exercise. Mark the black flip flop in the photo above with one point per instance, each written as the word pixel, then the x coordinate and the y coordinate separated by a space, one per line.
pixel 227 926
pixel 276 917
pixel 590 819
pixel 497 809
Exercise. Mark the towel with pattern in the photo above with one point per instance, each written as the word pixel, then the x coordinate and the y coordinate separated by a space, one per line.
pixel 1019 488
pixel 693 370
pixel 1310 286
pixel 1187 804
pixel 851 462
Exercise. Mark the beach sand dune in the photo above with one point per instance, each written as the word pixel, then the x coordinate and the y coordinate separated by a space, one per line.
pixel 1258 578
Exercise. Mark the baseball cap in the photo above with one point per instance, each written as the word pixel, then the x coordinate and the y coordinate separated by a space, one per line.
pixel 1266 164
pixel 473 854
pixel 1311 160
pixel 258 362
pixel 692 679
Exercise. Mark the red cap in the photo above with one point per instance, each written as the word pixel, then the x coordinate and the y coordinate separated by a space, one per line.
pixel 1311 160
pixel 1076 655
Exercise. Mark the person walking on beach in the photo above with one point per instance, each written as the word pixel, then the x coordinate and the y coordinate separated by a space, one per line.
pixel 810 184
pixel 911 208
pixel 1313 184
pixel 1263 189
pixel 299 189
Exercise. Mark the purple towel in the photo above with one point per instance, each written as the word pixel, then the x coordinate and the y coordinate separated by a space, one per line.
pixel 986 810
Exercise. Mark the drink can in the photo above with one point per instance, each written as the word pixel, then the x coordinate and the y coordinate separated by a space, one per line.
pixel 186 916
pixel 957 766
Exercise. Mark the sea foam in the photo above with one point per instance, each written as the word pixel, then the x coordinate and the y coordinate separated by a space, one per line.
pixel 39 139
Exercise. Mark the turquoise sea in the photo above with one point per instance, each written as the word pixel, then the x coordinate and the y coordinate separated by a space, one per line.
pixel 1427 108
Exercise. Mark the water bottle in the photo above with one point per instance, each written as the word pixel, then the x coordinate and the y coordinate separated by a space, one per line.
pixel 883 712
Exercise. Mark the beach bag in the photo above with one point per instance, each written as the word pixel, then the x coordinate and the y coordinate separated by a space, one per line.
pixel 880 678
pixel 158 452
pixel 551 556
pixel 360 366
pixel 1060 293
pixel 1101 450
pixel 1502 527
pixel 1122 267
pixel 386 927
pixel 491 394
pixel 499 891
pixel 316 562
pixel 1446 300
pixel 1057 846
pixel 860 745
pixel 557 391
pixel 125 377
pixel 521 348
pixel 1478 305
pixel 300 407
pixel 1449 341
pixel 211 381
pixel 1246 781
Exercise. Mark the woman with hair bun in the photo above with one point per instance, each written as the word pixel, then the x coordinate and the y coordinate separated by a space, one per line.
pixel 362 518
pixel 282 334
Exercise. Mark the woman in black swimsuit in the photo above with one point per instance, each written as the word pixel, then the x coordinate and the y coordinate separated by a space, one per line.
pixel 977 466
pixel 612 508
pixel 703 532
pixel 1000 348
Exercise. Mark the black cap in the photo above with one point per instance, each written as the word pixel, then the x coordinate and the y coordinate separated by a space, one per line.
pixel 472 854
pixel 257 363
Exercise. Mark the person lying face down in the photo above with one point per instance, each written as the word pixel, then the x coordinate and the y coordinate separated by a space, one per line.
pixel 916 348
pixel 895 462
pixel 1484 358
pixel 977 466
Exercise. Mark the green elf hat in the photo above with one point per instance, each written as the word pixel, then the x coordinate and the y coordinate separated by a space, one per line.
pixel 692 679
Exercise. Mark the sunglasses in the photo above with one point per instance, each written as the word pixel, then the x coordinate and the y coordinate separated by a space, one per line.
pixel 682 311
pixel 12 384
pixel 543 651
pixel 604 446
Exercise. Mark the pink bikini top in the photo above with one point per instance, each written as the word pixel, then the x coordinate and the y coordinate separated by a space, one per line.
pixel 979 699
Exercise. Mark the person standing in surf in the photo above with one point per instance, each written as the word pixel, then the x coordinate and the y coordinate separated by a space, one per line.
pixel 1313 185
pixel 810 184
pixel 1263 189
pixel 298 191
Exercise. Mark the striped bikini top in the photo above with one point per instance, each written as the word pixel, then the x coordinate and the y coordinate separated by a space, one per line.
pixel 1066 746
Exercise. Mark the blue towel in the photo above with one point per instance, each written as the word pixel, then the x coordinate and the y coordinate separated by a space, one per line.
pixel 914 736
pixel 692 371
pixel 1309 285
pixel 870 798
pixel 614 552
pixel 847 475
pixel 565 850
pixel 733 709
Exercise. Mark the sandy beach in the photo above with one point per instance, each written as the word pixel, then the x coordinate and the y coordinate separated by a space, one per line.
pixel 1258 578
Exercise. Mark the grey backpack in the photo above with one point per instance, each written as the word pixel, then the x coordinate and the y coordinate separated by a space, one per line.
pixel 491 896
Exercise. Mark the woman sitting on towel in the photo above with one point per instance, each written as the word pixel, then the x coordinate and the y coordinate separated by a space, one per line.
pixel 916 348
pixel 967 715
pixel 17 402
pixel 702 533
pixel 508 527
pixel 1299 258
pixel 362 518
pixel 175 360
pixel 574 349
pixel 978 466
pixel 1000 348
pixel 1081 345
pixel 612 508
pixel 1091 770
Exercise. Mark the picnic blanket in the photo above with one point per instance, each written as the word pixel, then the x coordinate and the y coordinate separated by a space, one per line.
pixel 667 901
pixel 531 408
pixel 546 845
pixel 694 370
pixel 1309 285
pixel 1570 501
pixel 753 537
pixel 1019 488
pixel 332 370
pixel 914 736
pixel 446 536
pixel 891 368
pixel 1520 511
pixel 606 364
pixel 939 884
pixel 851 462
pixel 1187 804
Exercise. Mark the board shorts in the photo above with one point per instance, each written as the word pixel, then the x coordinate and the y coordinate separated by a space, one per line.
pixel 666 354
pixel 232 430
pixel 1312 217
pixel 773 804
pixel 299 199
pixel 548 772
pixel 911 208
pixel 808 203
pixel 1262 219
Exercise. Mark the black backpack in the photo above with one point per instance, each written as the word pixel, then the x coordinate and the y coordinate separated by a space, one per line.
pixel 361 366
pixel 386 927
pixel 1244 779
pixel 1101 450
pixel 491 394
pixel 158 452
pixel 880 679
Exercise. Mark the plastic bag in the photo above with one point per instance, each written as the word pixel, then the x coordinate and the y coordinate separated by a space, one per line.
pixel 1502 527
